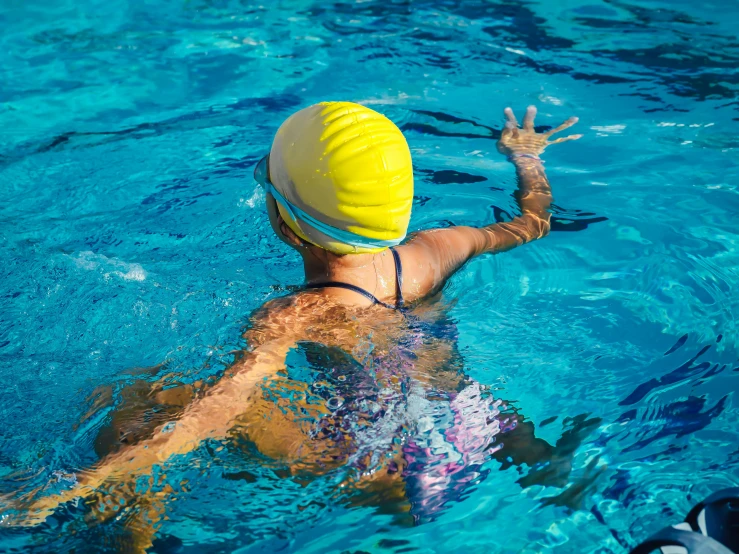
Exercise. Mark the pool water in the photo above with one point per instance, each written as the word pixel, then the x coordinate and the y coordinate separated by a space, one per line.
pixel 132 233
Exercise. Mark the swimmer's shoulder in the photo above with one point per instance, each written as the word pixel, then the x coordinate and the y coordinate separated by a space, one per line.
pixel 432 256
pixel 287 316
pixel 274 320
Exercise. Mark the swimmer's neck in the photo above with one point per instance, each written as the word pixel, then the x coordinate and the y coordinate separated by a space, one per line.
pixel 321 266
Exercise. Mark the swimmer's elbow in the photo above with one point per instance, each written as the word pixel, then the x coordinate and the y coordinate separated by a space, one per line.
pixel 537 226
pixel 545 226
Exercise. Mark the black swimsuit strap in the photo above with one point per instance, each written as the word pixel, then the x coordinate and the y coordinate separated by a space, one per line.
pixel 400 303
pixel 398 279
pixel 338 285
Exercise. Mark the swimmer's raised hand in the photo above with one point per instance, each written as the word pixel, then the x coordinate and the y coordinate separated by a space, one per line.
pixel 515 141
pixel 432 256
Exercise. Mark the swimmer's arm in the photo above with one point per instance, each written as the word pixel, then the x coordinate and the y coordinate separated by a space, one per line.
pixel 209 417
pixel 212 416
pixel 438 253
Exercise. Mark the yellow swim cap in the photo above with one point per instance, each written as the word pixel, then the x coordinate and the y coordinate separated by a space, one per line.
pixel 349 169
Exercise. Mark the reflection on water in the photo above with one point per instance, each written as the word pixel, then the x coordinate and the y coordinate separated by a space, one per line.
pixel 575 395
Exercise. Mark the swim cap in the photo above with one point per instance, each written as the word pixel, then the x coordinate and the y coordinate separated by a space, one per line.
pixel 347 167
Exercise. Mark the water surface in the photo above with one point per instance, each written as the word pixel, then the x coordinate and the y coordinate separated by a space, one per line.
pixel 132 233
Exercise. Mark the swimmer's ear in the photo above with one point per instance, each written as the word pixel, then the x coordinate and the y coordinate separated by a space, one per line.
pixel 283 232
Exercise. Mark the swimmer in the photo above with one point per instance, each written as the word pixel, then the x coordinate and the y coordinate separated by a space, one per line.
pixel 339 190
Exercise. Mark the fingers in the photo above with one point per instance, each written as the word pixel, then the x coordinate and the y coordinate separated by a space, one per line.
pixel 564 139
pixel 528 120
pixel 510 130
pixel 510 117
pixel 566 125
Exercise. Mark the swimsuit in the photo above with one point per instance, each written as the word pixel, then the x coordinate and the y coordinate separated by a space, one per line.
pixel 446 442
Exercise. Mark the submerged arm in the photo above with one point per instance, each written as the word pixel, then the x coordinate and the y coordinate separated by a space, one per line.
pixel 208 417
pixel 440 252
pixel 211 416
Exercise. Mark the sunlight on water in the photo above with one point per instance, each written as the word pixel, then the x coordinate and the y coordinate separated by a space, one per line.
pixel 574 395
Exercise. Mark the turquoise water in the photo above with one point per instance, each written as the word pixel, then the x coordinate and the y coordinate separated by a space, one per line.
pixel 132 233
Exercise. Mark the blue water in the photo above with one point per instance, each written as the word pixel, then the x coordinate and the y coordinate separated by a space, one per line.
pixel 132 233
